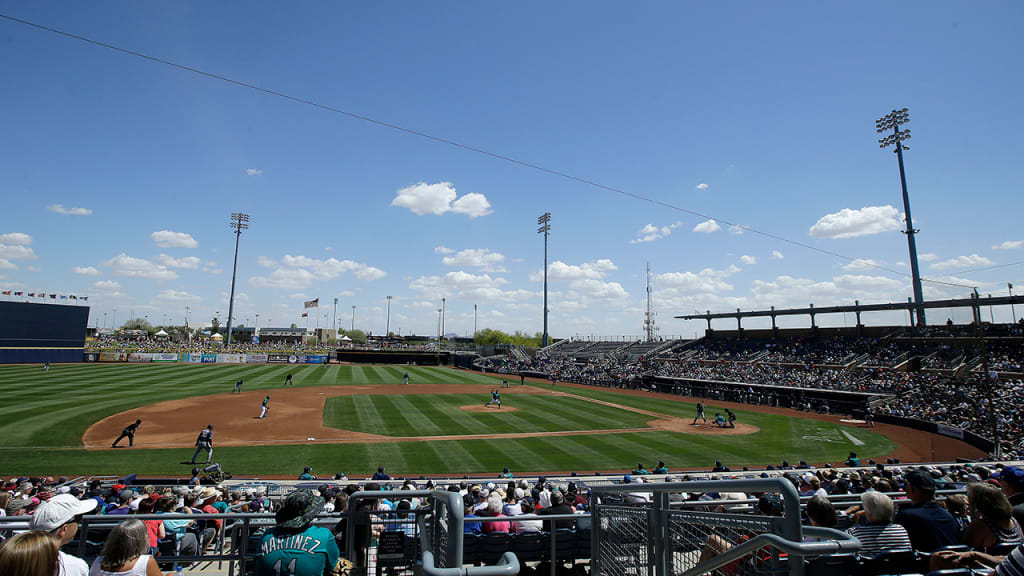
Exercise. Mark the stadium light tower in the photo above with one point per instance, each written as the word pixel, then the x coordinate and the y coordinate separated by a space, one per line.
pixel 239 222
pixel 545 228
pixel 387 323
pixel 892 121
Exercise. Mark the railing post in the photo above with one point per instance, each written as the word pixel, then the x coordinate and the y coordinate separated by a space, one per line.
pixel 659 533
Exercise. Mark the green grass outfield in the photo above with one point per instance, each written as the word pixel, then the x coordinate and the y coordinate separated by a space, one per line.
pixel 44 415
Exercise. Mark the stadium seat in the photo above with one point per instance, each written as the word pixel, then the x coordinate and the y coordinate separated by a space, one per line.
pixel 1002 549
pixel 891 562
pixel 953 572
pixel 472 548
pixel 833 565
pixel 583 544
pixel 494 545
pixel 565 545
pixel 528 547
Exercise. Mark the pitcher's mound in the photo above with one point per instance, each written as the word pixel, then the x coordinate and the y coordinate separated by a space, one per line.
pixel 491 408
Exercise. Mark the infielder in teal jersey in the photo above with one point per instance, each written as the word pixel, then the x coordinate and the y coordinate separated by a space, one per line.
pixel 295 547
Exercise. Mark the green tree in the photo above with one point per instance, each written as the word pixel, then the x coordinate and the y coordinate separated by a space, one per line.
pixel 139 324
pixel 357 335
pixel 214 325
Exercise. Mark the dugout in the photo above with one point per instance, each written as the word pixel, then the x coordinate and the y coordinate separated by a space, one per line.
pixel 397 357
pixel 37 333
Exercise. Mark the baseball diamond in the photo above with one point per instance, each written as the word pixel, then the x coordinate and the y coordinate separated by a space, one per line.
pixel 358 416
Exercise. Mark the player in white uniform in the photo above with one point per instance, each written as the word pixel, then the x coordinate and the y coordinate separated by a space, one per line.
pixel 264 407
pixel 495 399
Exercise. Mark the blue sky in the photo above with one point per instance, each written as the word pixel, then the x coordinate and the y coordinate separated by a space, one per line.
pixel 119 175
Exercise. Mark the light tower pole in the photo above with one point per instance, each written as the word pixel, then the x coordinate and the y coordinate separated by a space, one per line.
pixel 335 319
pixel 545 228
pixel 892 121
pixel 444 312
pixel 239 222
pixel 387 323
pixel 474 320
pixel 353 317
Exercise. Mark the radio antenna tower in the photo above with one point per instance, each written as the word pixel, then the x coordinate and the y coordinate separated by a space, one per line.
pixel 649 326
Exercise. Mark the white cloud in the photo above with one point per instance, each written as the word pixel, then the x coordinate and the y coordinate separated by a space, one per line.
pixel 850 223
pixel 346 294
pixel 125 265
pixel 973 260
pixel 189 262
pixel 928 257
pixel 31 268
pixel 60 209
pixel 707 227
pixel 179 296
pixel 6 264
pixel 423 198
pixel 862 264
pixel 297 272
pixel 776 255
pixel 599 289
pixel 169 239
pixel 107 286
pixel 650 232
pixel 558 270
pixel 254 172
pixel 747 259
pixel 702 186
pixel 16 252
pixel 476 258
pixel 266 262
pixel 19 238
pixel 465 285
pixel 86 271
pixel 862 283
pixel 443 250
pixel 707 280
pixel 736 230
pixel 1008 245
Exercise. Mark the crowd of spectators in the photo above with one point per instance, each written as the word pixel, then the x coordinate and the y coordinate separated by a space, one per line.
pixel 200 345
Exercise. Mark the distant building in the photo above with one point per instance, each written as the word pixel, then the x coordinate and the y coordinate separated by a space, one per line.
pixel 325 334
pixel 281 335
pixel 242 334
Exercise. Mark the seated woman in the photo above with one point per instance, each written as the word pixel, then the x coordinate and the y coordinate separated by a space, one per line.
pixel 126 552
pixel 879 533
pixel 993 522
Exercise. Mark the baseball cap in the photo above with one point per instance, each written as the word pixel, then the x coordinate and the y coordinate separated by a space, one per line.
pixel 60 510
pixel 920 480
pixel 1013 476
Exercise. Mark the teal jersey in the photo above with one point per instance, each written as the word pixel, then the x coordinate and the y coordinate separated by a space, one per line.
pixel 309 552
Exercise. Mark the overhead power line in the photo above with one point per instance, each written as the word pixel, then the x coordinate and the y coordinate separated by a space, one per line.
pixel 470 148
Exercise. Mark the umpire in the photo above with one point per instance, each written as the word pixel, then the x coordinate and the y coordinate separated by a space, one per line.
pixel 129 432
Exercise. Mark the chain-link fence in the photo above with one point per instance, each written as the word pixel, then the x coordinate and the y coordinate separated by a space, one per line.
pixel 695 536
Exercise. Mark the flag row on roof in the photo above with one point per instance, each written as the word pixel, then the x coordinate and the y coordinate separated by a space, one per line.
pixel 46 295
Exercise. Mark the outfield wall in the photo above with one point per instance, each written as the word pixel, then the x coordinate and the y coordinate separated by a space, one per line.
pixel 36 333
pixel 203 358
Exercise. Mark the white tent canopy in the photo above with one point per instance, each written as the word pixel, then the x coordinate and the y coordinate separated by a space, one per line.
pixel 161 334
pixel 217 336
pixel 345 339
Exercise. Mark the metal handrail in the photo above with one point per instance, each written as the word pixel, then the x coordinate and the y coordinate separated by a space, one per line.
pixel 843 543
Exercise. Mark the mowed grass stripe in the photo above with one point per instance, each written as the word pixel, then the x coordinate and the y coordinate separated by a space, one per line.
pixel 416 418
pixel 436 408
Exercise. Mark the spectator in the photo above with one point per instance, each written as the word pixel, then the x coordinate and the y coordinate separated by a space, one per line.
pixel 879 533
pixel 993 521
pixel 155 530
pixel 381 475
pixel 494 511
pixel 295 543
pixel 307 474
pixel 821 512
pixel 558 506
pixel 523 526
pixel 59 518
pixel 125 552
pixel 928 525
pixel 469 502
pixel 1011 481
pixel 185 541
pixel 29 554
pixel 124 503
pixel 1010 565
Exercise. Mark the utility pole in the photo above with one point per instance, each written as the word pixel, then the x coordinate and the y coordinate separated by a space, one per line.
pixel 239 222
pixel 649 327
pixel 545 228
pixel 892 121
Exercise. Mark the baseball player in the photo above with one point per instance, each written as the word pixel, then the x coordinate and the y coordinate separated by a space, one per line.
pixel 288 380
pixel 522 379
pixel 732 417
pixel 46 366
pixel 504 383
pixel 554 379
pixel 264 407
pixel 238 387
pixel 129 432
pixel 405 379
pixel 495 399
pixel 869 417
pixel 700 413
pixel 205 440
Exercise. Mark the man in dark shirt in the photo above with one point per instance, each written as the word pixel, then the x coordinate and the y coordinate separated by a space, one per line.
pixel 1011 480
pixel 558 506
pixel 929 526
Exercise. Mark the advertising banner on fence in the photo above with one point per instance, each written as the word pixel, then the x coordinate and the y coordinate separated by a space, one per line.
pixel 209 358
pixel 140 357
pixel 293 359
pixel 277 358
pixel 112 356
pixel 255 358
pixel 165 357
pixel 316 359
pixel 950 431
pixel 92 357
pixel 191 357
pixel 230 358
